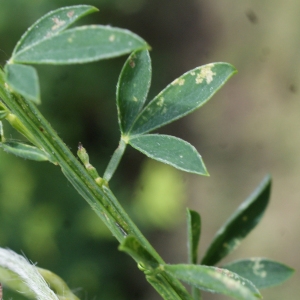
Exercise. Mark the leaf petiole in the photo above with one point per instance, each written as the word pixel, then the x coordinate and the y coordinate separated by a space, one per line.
pixel 114 161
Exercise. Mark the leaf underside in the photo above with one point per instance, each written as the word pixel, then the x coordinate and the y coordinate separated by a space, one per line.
pixel 170 150
pixel 24 151
pixel 23 80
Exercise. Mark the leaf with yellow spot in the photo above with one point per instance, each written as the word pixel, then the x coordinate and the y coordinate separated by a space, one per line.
pixel 262 272
pixel 81 45
pixel 215 280
pixel 48 42
pixel 185 94
pixel 51 24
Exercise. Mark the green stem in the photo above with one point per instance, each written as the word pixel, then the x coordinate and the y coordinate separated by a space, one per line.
pixel 100 198
pixel 114 161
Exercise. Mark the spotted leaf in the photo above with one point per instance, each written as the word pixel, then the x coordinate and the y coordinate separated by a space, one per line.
pixel 182 96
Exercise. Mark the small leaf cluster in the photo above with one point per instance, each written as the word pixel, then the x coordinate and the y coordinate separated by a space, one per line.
pixel 184 95
pixel 240 279
pixel 49 41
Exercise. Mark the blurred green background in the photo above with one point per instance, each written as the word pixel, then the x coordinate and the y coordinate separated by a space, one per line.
pixel 248 129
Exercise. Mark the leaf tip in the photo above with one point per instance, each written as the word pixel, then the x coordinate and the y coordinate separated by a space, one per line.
pixel 203 171
pixel 94 9
pixel 206 173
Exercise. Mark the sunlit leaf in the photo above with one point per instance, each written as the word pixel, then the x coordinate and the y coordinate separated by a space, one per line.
pixel 214 280
pixel 170 150
pixel 51 24
pixel 23 80
pixel 24 151
pixel 241 222
pixel 262 272
pixel 133 87
pixel 194 231
pixel 182 96
pixel 80 45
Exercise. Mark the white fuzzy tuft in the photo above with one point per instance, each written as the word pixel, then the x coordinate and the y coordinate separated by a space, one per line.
pixel 28 273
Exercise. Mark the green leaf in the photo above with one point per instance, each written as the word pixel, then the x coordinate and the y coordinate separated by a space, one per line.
pixel 23 80
pixel 214 280
pixel 51 24
pixel 170 150
pixel 241 222
pixel 262 272
pixel 182 96
pixel 24 151
pixel 133 87
pixel 132 246
pixel 194 231
pixel 57 284
pixel 80 45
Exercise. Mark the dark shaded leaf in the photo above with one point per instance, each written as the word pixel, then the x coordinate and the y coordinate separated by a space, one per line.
pixel 241 222
pixel 133 87
pixel 194 231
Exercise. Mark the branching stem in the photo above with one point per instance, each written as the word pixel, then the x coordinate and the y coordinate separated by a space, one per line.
pixel 32 124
